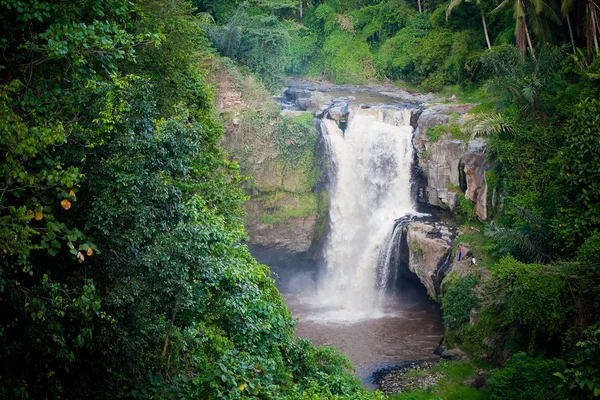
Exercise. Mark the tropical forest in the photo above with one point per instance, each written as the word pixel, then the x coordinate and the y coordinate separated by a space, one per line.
pixel 300 199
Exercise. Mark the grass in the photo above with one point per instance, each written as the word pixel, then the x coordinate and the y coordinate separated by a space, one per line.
pixel 453 188
pixel 450 387
pixel 465 95
pixel 451 129
pixel 479 244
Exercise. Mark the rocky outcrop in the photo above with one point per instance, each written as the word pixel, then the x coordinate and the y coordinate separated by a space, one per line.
pixel 429 244
pixel 440 163
pixel 307 100
pixel 449 165
pixel 293 236
pixel 392 92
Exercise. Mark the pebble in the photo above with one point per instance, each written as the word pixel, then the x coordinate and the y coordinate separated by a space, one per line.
pixel 397 381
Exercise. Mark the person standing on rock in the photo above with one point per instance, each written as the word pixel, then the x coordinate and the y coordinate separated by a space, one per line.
pixel 458 253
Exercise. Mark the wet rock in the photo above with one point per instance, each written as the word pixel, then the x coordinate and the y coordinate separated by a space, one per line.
pixel 426 251
pixel 295 236
pixel 450 165
pixel 476 146
pixel 455 354
pixel 440 163
pixel 307 100
pixel 431 118
pixel 390 91
pixel 338 112
pixel 439 350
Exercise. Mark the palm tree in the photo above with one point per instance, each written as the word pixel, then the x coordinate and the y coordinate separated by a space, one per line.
pixel 591 25
pixel 535 8
pixel 455 3
pixel 565 8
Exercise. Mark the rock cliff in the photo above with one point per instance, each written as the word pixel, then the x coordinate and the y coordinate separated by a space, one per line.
pixel 450 165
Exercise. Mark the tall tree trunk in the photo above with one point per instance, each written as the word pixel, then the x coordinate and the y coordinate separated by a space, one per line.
pixel 571 32
pixel 594 25
pixel 528 38
pixel 487 37
pixel 419 3
pixel 301 9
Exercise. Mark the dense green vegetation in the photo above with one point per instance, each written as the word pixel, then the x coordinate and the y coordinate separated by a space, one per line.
pixel 123 272
pixel 537 62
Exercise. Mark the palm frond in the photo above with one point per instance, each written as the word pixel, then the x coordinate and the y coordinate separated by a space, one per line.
pixel 453 4
pixel 487 125
pixel 518 243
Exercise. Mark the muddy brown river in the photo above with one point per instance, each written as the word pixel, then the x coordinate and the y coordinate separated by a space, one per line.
pixel 409 326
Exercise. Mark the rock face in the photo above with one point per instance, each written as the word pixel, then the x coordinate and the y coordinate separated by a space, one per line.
pixel 449 166
pixel 295 236
pixel 440 162
pixel 474 168
pixel 428 245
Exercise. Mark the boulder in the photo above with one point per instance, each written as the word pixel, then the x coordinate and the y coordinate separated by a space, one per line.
pixel 454 355
pixel 339 112
pixel 428 244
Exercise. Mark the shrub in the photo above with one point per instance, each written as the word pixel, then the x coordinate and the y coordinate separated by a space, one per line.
pixel 465 210
pixel 459 300
pixel 531 298
pixel 582 375
pixel 526 378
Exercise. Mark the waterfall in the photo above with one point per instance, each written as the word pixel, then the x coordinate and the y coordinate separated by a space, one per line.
pixel 370 167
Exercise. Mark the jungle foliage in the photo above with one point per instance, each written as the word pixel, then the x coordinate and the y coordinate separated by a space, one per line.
pixel 123 272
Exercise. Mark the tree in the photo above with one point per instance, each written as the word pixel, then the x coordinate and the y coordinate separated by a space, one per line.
pixel 591 25
pixel 455 3
pixel 535 9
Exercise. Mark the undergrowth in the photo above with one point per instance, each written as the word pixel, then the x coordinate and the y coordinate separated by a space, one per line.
pixel 450 387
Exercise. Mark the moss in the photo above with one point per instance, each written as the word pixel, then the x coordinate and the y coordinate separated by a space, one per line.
pixel 416 248
pixel 451 130
pixel 453 188
pixel 279 207
pixel 322 214
pixel 465 210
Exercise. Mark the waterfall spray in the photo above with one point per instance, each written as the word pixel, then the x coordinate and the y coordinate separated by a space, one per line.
pixel 371 163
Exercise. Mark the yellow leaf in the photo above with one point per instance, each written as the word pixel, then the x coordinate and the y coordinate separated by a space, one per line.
pixel 242 386
pixel 38 215
pixel 90 251
pixel 66 204
pixel 71 193
pixel 29 213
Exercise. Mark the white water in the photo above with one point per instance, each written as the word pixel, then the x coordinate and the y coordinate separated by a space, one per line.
pixel 370 189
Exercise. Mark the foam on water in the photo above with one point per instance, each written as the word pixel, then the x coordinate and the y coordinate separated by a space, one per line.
pixel 371 166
